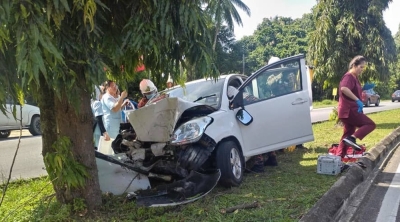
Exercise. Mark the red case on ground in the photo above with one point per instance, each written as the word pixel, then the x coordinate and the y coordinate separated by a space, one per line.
pixel 351 155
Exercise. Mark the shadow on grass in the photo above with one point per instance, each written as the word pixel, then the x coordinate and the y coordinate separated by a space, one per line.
pixel 387 125
pixel 284 192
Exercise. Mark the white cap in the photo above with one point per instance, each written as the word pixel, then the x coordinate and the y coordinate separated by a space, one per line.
pixel 147 86
pixel 273 59
pixel 169 79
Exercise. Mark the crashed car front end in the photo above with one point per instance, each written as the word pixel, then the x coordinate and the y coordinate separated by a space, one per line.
pixel 169 147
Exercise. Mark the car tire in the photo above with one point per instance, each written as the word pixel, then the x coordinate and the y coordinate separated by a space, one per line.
pixel 193 157
pixel 230 161
pixel 377 102
pixel 368 103
pixel 5 133
pixel 34 127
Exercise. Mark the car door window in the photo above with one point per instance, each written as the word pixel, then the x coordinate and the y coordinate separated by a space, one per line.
pixel 277 81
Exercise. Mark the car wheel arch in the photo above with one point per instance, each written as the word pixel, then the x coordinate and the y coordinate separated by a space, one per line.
pixel 33 131
pixel 230 138
pixel 231 176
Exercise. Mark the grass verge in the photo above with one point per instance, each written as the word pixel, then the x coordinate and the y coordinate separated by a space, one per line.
pixel 324 103
pixel 285 192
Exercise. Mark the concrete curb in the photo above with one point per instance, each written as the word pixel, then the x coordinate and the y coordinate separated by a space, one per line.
pixel 15 133
pixel 341 201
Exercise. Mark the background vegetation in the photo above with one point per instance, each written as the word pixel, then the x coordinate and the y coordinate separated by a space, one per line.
pixel 56 51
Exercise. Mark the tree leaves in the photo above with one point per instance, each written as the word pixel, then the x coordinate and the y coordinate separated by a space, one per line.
pixel 347 29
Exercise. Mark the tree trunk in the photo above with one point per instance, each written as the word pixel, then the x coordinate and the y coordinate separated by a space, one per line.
pixel 45 99
pixel 77 125
pixel 217 29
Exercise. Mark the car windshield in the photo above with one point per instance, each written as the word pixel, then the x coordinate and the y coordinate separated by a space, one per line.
pixel 206 92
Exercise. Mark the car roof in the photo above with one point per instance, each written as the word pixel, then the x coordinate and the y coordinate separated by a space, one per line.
pixel 208 79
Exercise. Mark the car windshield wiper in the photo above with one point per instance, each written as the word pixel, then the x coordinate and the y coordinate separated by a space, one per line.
pixel 203 97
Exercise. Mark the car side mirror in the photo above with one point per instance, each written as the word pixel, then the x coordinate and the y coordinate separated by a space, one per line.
pixel 237 101
pixel 244 117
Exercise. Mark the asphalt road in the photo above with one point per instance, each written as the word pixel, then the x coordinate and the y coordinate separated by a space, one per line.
pixel 382 201
pixel 322 114
pixel 29 161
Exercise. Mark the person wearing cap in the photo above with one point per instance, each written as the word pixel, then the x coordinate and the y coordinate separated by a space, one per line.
pixel 170 82
pixel 149 92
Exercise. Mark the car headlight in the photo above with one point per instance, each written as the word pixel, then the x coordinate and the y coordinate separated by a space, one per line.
pixel 191 131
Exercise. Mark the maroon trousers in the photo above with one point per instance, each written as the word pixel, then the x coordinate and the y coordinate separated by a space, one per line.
pixel 356 120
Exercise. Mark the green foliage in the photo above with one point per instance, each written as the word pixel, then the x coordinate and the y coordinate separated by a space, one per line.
pixel 78 205
pixel 285 192
pixel 62 166
pixel 334 116
pixel 278 36
pixel 327 102
pixel 224 11
pixel 346 29
pixel 69 42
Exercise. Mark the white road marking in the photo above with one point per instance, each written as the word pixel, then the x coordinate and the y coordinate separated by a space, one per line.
pixel 390 203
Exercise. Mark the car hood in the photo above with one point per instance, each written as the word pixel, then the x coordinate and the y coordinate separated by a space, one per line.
pixel 156 122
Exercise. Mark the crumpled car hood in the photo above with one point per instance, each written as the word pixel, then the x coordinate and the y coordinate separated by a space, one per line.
pixel 156 122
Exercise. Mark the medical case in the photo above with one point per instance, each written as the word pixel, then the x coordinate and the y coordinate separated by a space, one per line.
pixel 329 164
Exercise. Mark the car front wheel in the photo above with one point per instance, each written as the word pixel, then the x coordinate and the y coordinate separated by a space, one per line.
pixel 34 128
pixel 368 103
pixel 230 161
pixel 377 102
pixel 5 133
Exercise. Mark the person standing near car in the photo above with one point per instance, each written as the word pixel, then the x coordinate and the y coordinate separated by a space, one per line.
pixel 112 108
pixel 350 107
pixel 98 127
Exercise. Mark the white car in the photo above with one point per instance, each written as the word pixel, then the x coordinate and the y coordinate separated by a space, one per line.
pixel 30 119
pixel 200 129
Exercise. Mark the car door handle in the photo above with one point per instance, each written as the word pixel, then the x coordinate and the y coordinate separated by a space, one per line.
pixel 299 101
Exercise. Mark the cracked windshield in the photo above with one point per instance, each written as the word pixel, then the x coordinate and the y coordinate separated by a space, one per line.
pixel 204 92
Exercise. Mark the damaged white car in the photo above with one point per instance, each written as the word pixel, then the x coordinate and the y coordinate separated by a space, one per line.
pixel 182 146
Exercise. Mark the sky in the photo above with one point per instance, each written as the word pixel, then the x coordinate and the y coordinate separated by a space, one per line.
pixel 296 8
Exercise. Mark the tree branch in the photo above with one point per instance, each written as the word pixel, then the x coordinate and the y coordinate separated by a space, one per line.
pixel 13 162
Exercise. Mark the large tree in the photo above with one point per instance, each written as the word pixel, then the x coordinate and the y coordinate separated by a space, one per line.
pixel 345 29
pixel 278 36
pixel 60 49
pixel 394 83
pixel 224 12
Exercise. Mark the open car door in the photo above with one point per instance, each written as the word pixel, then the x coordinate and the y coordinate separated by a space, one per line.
pixel 274 108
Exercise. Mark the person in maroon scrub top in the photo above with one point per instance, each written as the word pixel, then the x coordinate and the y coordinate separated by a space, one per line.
pixel 350 108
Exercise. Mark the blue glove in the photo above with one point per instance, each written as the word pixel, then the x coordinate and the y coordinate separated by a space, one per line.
pixel 360 106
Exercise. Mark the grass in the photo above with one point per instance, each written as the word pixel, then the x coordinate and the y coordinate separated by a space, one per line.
pixel 331 103
pixel 324 103
pixel 285 192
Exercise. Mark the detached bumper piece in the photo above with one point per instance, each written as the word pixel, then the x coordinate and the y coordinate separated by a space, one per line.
pixel 192 188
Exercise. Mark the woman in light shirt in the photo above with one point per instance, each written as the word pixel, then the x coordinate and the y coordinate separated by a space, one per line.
pixel 112 108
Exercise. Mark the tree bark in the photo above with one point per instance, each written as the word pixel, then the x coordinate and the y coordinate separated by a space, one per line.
pixel 77 125
pixel 48 126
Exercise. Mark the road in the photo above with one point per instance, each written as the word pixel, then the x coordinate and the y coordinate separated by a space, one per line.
pixel 381 203
pixel 29 161
pixel 322 114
